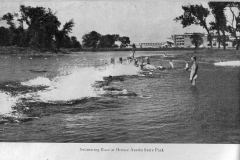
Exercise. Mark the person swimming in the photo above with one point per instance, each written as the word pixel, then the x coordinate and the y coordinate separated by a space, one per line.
pixel 160 67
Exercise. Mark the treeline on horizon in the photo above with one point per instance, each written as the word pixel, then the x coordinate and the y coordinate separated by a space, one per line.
pixel 39 28
pixel 197 15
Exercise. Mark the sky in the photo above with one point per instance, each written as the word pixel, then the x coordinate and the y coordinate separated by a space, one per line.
pixel 142 21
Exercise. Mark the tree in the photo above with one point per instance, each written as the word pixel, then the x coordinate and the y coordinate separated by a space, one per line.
pixel 195 14
pixel 42 25
pixel 9 19
pixel 196 39
pixel 234 27
pixel 75 42
pixel 220 23
pixel 91 39
pixel 125 40
pixel 42 28
pixel 222 39
pixel 5 36
pixel 62 35
pixel 107 41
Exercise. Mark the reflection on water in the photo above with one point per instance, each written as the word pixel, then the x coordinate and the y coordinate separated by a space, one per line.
pixel 56 99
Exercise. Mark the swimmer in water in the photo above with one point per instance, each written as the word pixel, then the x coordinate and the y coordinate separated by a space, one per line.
pixel 160 67
pixel 142 64
pixel 148 60
pixel 136 62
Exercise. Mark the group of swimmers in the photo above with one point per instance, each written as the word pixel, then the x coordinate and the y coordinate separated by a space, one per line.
pixel 141 62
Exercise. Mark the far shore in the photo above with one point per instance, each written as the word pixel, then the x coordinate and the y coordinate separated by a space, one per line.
pixel 29 51
pixel 202 54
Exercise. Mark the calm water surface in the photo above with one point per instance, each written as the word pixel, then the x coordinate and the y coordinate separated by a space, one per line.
pixel 53 99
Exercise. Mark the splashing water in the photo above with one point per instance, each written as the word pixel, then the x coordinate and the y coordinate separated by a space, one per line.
pixel 7 102
pixel 39 81
pixel 228 63
pixel 77 83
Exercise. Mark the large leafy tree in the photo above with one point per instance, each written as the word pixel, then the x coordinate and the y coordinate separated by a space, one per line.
pixel 220 24
pixel 91 40
pixel 75 42
pixel 42 25
pixel 62 35
pixel 107 41
pixel 195 14
pixel 125 40
pixel 5 36
pixel 234 25
pixel 9 18
pixel 42 28
pixel 196 39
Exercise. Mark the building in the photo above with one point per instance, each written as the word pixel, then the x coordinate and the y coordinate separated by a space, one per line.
pixel 154 45
pixel 184 40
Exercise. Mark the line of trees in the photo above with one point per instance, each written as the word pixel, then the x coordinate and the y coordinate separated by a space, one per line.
pixel 38 28
pixel 197 15
pixel 95 40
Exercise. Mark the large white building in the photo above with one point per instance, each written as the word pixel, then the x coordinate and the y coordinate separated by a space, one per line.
pixel 184 40
pixel 154 45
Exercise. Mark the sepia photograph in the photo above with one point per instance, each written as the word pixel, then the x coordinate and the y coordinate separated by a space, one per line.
pixel 120 72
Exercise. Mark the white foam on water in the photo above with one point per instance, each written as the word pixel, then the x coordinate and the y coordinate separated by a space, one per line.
pixel 76 83
pixel 120 69
pixel 228 63
pixel 148 66
pixel 39 81
pixel 7 102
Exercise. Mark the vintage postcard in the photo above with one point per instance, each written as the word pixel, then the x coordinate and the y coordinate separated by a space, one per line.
pixel 119 79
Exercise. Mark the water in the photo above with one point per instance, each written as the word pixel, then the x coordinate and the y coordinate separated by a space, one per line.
pixel 56 99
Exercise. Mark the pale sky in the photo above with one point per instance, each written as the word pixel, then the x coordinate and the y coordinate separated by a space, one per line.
pixel 142 21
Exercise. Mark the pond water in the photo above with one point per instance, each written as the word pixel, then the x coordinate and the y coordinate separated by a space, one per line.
pixel 55 99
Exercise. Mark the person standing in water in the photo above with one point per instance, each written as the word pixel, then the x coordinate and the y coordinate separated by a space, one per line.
pixel 120 60
pixel 171 64
pixel 186 66
pixel 148 60
pixel 193 71
pixel 141 64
